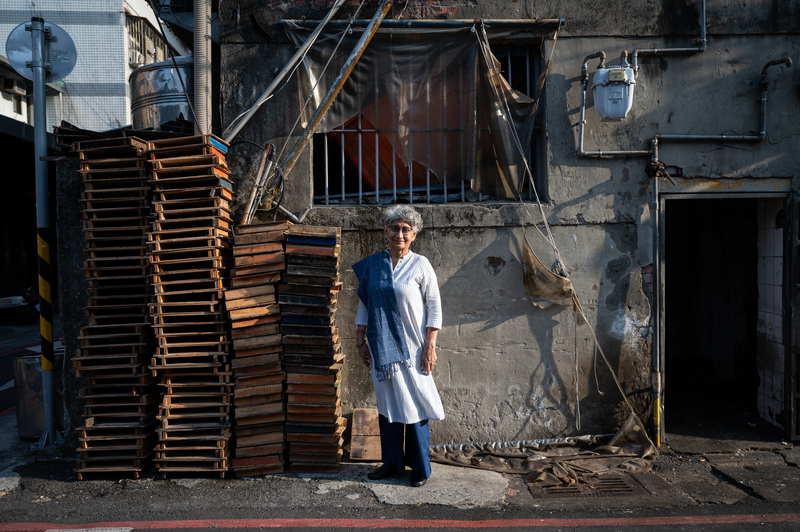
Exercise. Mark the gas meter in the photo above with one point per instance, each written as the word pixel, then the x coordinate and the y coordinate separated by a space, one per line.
pixel 613 92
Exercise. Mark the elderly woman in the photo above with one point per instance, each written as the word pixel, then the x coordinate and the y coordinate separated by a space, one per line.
pixel 399 317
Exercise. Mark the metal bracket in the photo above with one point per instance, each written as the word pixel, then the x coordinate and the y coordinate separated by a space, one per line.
pixel 41 445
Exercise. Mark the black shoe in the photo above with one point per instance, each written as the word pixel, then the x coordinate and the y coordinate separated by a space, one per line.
pixel 382 472
pixel 417 480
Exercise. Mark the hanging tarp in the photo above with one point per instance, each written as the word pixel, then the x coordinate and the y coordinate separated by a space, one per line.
pixel 429 93
pixel 542 285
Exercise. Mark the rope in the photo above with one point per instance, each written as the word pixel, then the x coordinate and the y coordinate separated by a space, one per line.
pixel 549 238
pixel 579 308
pixel 501 97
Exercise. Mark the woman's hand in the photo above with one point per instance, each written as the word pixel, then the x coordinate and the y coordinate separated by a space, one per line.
pixel 363 352
pixel 429 354
pixel 429 358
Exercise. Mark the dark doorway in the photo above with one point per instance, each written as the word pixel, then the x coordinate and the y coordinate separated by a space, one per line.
pixel 711 342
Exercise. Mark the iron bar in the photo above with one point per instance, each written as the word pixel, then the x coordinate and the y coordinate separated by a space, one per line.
pixel 421 25
pixel 283 73
pixel 338 83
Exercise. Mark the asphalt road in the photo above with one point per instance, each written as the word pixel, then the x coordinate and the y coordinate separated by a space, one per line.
pixel 48 499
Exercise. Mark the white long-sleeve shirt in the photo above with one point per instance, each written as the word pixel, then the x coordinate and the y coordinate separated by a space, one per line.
pixel 410 395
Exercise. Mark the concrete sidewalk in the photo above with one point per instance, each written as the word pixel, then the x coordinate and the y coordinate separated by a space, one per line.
pixel 688 473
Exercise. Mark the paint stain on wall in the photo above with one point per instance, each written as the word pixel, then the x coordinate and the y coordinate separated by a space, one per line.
pixel 494 265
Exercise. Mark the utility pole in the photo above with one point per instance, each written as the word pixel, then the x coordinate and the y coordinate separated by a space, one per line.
pixel 39 64
pixel 48 55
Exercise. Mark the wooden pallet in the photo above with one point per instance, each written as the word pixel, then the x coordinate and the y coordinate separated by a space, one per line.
pixel 120 400
pixel 189 251
pixel 313 357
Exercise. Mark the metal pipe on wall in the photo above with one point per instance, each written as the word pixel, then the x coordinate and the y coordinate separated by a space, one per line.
pixel 702 43
pixel 764 84
pixel 202 66
pixel 656 319
pixel 585 87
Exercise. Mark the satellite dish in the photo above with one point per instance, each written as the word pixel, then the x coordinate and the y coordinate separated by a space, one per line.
pixel 59 51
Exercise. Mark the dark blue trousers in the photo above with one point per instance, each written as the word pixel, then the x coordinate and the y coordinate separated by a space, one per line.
pixel 417 437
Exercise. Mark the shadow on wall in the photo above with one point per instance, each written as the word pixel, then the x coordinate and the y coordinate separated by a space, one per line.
pixel 520 353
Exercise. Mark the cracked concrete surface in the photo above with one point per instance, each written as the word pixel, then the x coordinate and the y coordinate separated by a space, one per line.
pixel 461 488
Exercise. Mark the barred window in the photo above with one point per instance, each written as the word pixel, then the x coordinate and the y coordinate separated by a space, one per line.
pixel 412 125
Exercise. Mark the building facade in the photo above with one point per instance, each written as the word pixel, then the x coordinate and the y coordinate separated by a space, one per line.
pixel 724 255
pixel 112 38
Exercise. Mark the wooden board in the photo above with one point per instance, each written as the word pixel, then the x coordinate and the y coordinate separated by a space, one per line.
pixel 365 422
pixel 256 360
pixel 314 230
pixel 305 249
pixel 257 341
pixel 249 291
pixel 255 279
pixel 242 239
pixel 310 281
pixel 313 260
pixel 256 321
pixel 258 259
pixel 254 312
pixel 313 240
pixel 253 400
pixel 248 302
pixel 248 271
pixel 260 389
pixel 263 227
pixel 260 470
pixel 257 248
pixel 260 420
pixel 313 271
pixel 258 450
pixel 261 350
pixel 258 330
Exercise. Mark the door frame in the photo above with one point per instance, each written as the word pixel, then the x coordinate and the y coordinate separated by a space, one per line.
pixel 791 278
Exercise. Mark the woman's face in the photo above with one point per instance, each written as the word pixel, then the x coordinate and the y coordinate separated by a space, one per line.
pixel 400 236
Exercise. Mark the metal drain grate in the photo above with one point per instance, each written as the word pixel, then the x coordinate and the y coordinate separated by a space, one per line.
pixel 602 486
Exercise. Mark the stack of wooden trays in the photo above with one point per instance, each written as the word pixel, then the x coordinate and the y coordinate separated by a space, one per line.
pixel 259 400
pixel 190 256
pixel 121 397
pixel 312 351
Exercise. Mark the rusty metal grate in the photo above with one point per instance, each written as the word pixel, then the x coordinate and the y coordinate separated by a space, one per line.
pixel 602 486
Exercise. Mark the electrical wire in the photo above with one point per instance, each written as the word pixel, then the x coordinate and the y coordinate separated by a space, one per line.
pixel 311 92
pixel 575 300
pixel 285 83
pixel 500 97
pixel 174 62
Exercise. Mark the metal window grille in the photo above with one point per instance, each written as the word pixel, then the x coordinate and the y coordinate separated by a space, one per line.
pixel 340 165
pixel 145 44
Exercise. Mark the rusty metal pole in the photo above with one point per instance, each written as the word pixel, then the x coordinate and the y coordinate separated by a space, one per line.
pixel 283 73
pixel 355 55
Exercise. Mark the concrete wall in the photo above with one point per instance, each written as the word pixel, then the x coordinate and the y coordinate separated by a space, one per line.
pixel 508 370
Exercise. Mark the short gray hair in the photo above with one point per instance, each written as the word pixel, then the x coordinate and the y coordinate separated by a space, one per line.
pixel 402 213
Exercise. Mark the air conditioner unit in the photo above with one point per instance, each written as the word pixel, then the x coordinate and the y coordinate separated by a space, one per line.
pixel 14 85
pixel 135 58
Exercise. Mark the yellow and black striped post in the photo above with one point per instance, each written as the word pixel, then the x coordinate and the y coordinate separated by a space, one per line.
pixel 45 299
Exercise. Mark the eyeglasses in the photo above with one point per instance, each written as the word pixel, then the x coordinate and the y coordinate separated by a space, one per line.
pixel 394 229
